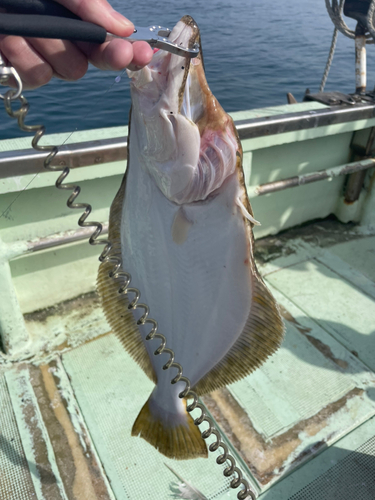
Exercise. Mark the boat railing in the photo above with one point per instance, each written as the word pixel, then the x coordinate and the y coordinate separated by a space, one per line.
pixel 284 147
pixel 96 152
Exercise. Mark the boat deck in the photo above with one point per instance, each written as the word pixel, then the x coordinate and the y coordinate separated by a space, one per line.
pixel 302 427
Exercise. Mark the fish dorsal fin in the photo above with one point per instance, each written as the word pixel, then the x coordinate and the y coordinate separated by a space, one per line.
pixel 115 305
pixel 261 337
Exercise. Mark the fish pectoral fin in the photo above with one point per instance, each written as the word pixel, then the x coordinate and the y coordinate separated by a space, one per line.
pixel 262 335
pixel 245 212
pixel 181 441
pixel 180 227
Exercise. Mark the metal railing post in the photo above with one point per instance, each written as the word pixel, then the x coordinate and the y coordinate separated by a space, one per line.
pixel 360 59
pixel 13 333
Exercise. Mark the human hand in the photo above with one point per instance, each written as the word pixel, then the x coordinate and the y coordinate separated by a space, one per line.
pixel 37 60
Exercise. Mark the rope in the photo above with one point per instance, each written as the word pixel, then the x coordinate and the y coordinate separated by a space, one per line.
pixel 370 20
pixel 335 11
pixel 329 60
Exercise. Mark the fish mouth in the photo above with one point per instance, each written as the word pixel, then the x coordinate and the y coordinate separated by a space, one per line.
pixel 183 136
pixel 168 77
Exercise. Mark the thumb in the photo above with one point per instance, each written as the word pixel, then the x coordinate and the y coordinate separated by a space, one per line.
pixel 100 12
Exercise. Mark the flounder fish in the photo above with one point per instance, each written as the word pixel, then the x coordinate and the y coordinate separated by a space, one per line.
pixel 182 225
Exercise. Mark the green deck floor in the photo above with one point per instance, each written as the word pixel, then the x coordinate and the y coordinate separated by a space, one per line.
pixel 310 408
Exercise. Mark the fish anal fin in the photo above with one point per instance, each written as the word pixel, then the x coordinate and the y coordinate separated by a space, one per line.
pixel 261 337
pixel 115 305
pixel 181 442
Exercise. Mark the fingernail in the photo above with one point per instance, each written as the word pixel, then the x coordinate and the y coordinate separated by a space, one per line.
pixel 134 68
pixel 122 20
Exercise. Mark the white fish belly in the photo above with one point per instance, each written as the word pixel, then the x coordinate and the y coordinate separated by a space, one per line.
pixel 198 290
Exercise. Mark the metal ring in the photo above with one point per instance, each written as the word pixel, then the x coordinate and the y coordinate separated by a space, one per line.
pixel 7 71
pixel 4 73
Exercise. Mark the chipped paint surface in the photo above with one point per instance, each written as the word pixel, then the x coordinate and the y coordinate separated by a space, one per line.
pixel 323 348
pixel 61 456
pixel 66 325
pixel 268 460
pixel 13 333
pixel 77 481
pixel 360 63
pixel 38 450
pixel 60 328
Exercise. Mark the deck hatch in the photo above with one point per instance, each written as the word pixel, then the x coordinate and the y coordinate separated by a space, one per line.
pixel 110 389
pixel 303 399
pixel 335 303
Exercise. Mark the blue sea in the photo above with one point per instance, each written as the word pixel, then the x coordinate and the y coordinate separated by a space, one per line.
pixel 255 52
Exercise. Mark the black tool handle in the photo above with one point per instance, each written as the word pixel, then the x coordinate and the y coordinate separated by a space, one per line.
pixel 41 7
pixel 30 25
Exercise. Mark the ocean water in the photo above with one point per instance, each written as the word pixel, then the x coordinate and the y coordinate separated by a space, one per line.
pixel 255 52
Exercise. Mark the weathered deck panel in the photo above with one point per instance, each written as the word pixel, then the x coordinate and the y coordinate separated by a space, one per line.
pixel 15 476
pixel 306 399
pixel 111 389
pixel 60 456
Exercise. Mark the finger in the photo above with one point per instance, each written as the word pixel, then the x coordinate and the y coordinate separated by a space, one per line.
pixel 118 54
pixel 34 71
pixel 100 12
pixel 142 54
pixel 114 55
pixel 65 58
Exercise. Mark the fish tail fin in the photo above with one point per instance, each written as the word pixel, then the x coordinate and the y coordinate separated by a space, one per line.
pixel 181 441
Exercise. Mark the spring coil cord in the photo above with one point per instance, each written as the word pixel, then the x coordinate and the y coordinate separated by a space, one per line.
pixel 118 272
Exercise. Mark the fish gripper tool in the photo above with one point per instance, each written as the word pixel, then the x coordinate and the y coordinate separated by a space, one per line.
pixel 48 19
